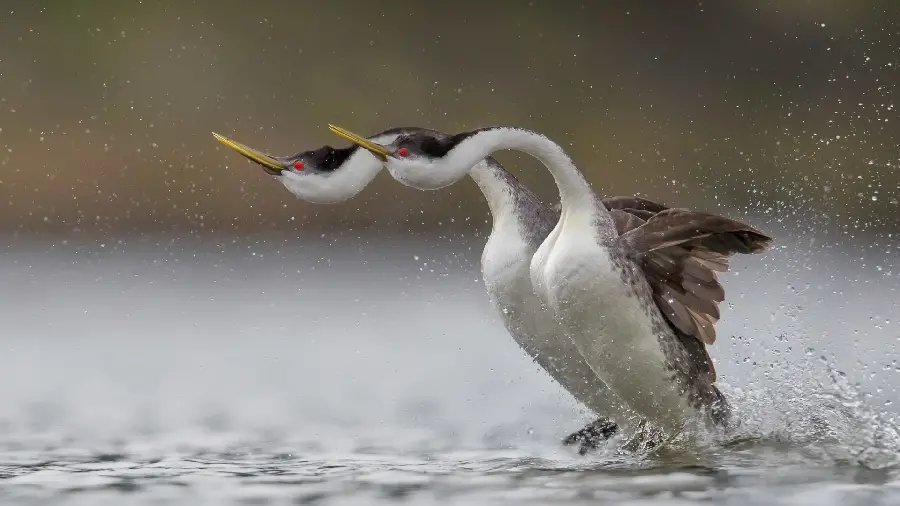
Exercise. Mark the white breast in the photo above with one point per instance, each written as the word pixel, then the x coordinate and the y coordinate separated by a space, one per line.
pixel 608 325
pixel 505 266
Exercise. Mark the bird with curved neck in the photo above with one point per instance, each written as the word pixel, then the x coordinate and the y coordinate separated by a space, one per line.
pixel 520 223
pixel 640 303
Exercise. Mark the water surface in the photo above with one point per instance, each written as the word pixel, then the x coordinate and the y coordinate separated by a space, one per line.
pixel 348 371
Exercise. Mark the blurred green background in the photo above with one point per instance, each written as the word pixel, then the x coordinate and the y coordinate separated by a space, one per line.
pixel 784 110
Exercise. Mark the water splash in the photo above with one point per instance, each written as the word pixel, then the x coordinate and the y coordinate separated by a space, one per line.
pixel 802 411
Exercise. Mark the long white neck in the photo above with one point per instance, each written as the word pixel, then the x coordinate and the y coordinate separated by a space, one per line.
pixel 575 193
pixel 500 196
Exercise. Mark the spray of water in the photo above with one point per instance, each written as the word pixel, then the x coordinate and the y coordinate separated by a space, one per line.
pixel 797 411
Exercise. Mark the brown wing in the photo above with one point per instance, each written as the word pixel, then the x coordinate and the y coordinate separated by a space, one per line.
pixel 626 220
pixel 631 212
pixel 679 251
pixel 712 232
pixel 633 203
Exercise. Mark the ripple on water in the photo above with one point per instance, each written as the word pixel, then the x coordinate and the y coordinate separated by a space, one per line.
pixel 188 391
pixel 470 477
pixel 820 445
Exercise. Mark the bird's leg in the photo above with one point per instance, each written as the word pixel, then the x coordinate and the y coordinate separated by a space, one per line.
pixel 592 435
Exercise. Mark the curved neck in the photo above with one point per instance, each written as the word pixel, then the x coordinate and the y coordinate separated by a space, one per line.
pixel 496 186
pixel 357 172
pixel 574 190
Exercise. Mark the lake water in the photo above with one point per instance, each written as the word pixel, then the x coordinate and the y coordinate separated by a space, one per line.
pixel 343 370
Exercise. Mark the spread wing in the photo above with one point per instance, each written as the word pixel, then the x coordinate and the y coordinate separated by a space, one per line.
pixel 631 212
pixel 634 203
pixel 680 251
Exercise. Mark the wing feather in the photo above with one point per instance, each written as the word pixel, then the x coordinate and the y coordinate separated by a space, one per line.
pixel 680 252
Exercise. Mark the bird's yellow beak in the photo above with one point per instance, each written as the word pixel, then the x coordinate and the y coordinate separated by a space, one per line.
pixel 261 158
pixel 376 149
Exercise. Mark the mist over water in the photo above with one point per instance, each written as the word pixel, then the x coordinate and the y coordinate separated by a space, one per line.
pixel 352 369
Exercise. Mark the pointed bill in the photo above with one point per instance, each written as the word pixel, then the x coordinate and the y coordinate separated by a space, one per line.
pixel 376 149
pixel 268 162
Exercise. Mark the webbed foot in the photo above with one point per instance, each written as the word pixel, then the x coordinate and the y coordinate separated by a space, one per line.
pixel 592 435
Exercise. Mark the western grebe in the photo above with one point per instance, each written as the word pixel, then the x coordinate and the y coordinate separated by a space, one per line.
pixel 520 223
pixel 640 304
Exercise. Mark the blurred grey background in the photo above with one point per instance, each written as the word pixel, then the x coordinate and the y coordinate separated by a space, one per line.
pixel 782 109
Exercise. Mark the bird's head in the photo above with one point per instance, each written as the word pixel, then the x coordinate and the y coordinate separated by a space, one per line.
pixel 325 175
pixel 421 158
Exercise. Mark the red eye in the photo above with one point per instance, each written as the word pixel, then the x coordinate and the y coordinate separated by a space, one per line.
pixel 298 165
pixel 402 152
